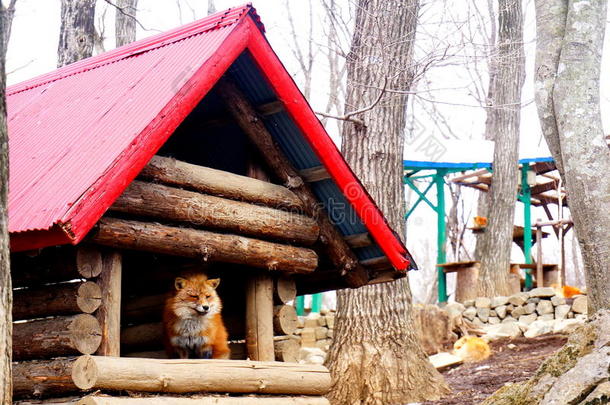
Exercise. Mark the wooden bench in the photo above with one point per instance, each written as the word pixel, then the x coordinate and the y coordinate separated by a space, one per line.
pixel 468 276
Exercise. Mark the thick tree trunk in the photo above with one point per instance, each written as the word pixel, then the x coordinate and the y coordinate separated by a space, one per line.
pixel 6 298
pixel 7 22
pixel 77 32
pixel 125 22
pixel 568 58
pixel 510 74
pixel 571 37
pixel 375 357
pixel 490 121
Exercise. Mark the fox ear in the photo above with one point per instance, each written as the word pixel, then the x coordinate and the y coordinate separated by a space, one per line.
pixel 214 282
pixel 179 283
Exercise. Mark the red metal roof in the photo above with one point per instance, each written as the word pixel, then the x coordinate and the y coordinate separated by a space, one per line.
pixel 79 135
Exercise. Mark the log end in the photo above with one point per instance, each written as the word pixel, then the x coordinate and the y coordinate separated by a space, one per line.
pixel 89 297
pixel 88 261
pixel 84 372
pixel 85 333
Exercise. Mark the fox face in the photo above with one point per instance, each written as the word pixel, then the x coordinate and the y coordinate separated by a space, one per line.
pixel 196 296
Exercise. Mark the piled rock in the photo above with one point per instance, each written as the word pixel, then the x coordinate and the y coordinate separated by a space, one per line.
pixel 314 334
pixel 532 313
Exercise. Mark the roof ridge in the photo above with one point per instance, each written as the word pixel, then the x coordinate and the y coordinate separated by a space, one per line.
pixel 220 19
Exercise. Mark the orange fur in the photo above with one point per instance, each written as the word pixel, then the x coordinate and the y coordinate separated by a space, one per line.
pixel 192 320
pixel 480 222
pixel 471 349
pixel 566 291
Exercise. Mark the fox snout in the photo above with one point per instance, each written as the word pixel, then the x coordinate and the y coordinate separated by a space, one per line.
pixel 202 309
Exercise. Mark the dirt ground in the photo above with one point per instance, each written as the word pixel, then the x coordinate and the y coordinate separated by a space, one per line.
pixel 472 383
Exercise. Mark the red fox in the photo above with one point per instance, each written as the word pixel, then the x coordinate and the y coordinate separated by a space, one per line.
pixel 193 325
pixel 566 291
pixel 471 349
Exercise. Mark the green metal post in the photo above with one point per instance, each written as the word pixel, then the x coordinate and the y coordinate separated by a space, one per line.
pixel 526 199
pixel 316 303
pixel 441 256
pixel 300 304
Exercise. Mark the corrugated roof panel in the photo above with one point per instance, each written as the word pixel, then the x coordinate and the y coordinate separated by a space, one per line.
pixel 58 130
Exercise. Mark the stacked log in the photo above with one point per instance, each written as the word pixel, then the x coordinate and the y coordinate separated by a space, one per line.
pixel 171 376
pixel 55 300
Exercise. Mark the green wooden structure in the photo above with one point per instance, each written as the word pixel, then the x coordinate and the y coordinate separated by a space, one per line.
pixel 434 175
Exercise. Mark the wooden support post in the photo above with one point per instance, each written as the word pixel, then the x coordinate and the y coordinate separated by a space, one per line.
pixel 259 318
pixel 43 378
pixel 539 270
pixel 176 205
pixel 205 245
pixel 249 121
pixel 184 376
pixel 199 400
pixel 109 313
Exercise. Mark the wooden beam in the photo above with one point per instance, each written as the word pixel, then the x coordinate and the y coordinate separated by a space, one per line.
pixel 263 110
pixel 270 108
pixel 358 240
pixel 203 400
pixel 259 318
pixel 542 187
pixel 184 376
pixel 176 205
pixel 56 299
pixel 249 121
pixel 376 263
pixel 313 174
pixel 204 245
pixel 220 183
pixel 109 314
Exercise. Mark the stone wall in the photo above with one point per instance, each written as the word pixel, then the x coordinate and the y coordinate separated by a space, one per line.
pixel 533 313
pixel 314 335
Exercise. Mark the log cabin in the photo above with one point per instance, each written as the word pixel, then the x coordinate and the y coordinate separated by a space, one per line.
pixel 191 149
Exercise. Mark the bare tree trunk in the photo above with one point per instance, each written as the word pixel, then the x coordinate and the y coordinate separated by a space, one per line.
pixel 510 74
pixel 490 121
pixel 375 357
pixel 77 32
pixel 7 21
pixel 571 37
pixel 6 291
pixel 125 25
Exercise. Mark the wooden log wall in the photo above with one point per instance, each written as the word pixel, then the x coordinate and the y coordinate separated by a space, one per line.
pixel 59 297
